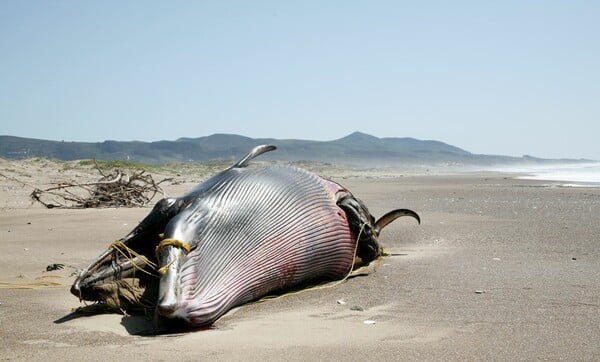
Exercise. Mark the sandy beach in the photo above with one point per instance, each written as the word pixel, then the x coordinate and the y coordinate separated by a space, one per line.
pixel 499 269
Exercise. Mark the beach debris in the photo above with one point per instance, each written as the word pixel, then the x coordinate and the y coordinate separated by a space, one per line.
pixel 114 189
pixel 573 258
pixel 357 308
pixel 496 259
pixel 479 291
pixel 369 321
pixel 340 301
pixel 53 267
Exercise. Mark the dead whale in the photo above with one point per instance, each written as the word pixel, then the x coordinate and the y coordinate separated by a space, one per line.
pixel 249 231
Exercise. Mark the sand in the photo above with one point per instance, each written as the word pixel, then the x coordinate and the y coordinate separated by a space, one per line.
pixel 499 269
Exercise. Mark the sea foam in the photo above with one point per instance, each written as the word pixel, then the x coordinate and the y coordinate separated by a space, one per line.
pixel 572 174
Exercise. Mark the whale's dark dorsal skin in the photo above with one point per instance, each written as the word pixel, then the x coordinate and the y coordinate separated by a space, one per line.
pixel 248 231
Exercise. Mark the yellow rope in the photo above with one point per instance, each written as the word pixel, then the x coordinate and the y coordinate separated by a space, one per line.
pixel 163 270
pixel 325 286
pixel 131 254
pixel 121 248
pixel 170 242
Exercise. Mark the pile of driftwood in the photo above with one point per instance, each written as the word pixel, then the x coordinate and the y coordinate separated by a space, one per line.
pixel 114 189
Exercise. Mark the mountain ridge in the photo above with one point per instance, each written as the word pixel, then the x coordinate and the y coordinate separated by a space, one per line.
pixel 356 148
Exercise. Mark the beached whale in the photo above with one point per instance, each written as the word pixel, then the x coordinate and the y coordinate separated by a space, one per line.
pixel 247 232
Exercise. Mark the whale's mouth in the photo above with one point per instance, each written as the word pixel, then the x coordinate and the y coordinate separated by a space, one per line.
pixel 112 265
pixel 124 277
pixel 128 269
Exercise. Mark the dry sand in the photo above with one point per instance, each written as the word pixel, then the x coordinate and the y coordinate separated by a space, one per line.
pixel 499 269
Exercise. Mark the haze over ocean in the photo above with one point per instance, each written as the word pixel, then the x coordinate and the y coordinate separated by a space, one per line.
pixel 509 78
pixel 581 175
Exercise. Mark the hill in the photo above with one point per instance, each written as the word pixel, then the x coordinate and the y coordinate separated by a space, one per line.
pixel 355 149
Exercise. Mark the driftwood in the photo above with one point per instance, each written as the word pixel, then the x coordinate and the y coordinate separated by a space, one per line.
pixel 115 189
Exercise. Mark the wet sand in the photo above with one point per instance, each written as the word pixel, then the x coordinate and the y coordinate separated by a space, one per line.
pixel 499 269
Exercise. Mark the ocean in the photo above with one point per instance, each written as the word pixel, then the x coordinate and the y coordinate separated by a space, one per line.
pixel 572 174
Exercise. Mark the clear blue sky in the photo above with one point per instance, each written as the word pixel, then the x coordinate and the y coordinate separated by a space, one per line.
pixel 495 77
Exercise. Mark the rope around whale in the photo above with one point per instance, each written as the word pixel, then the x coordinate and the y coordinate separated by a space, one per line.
pixel 132 294
pixel 121 247
pixel 170 242
pixel 131 254
pixel 331 284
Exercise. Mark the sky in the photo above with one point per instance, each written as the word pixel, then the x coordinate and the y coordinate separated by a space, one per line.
pixel 492 77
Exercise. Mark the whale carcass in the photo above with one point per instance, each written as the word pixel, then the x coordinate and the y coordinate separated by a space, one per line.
pixel 247 232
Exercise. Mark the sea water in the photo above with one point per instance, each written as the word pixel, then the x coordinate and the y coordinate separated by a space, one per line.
pixel 571 174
